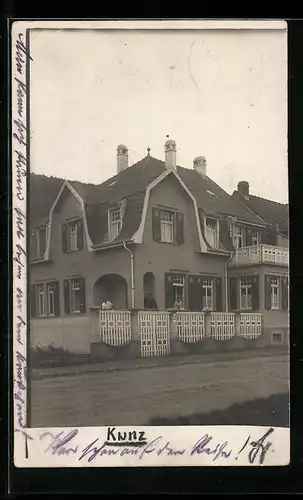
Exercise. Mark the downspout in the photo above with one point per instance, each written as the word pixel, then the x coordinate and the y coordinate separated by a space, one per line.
pixel 131 273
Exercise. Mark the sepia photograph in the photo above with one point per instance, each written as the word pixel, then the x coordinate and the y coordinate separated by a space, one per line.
pixel 157 227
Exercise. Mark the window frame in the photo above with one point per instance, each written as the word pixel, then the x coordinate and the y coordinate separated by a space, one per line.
pixel 247 286
pixel 206 287
pixel 112 224
pixel 171 224
pixel 276 287
pixel 181 285
pixel 72 297
pixel 258 233
pixel 216 230
pixel 70 224
pixel 45 229
pixel 236 229
pixel 46 293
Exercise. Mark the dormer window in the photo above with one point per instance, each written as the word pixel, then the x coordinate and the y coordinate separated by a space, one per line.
pixel 114 223
pixel 212 231
pixel 72 235
pixel 41 239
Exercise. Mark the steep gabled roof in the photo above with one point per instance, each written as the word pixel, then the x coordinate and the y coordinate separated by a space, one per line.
pixel 131 185
pixel 272 212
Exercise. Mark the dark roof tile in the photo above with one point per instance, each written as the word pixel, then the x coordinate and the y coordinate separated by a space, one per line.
pixel 130 185
pixel 271 212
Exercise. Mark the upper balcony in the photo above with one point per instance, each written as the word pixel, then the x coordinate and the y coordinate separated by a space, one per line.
pixel 260 254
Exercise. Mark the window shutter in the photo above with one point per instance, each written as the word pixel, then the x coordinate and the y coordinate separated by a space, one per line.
pixel 194 293
pixel 33 301
pixel 233 294
pixel 255 293
pixel 248 241
pixel 66 297
pixel 179 228
pixel 267 292
pixel 284 292
pixel 82 295
pixel 80 234
pixel 156 224
pixel 218 292
pixel 169 291
pixel 56 298
pixel 64 238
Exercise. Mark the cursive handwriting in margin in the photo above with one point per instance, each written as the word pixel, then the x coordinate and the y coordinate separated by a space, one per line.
pixel 61 442
pixel 20 58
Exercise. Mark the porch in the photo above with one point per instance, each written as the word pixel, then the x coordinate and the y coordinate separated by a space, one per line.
pixel 260 254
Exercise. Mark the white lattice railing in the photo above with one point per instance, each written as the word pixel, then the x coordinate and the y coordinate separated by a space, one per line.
pixel 154 330
pixel 190 326
pixel 258 254
pixel 115 327
pixel 222 325
pixel 250 325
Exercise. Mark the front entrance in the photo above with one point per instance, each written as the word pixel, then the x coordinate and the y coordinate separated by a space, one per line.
pixel 154 331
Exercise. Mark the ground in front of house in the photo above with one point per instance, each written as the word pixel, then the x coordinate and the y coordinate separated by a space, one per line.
pixel 139 396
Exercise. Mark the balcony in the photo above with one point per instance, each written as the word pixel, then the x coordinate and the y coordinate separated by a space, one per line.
pixel 260 254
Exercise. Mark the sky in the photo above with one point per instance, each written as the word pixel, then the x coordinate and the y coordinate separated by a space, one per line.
pixel 221 94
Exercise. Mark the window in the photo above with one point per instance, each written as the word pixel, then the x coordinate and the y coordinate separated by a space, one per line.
pixel 255 237
pixel 51 299
pixel 207 292
pixel 72 236
pixel 277 337
pixel 74 295
pixel 245 293
pixel 41 239
pixel 45 299
pixel 41 299
pixel 167 226
pixel 275 292
pixel 178 290
pixel 239 237
pixel 211 232
pixel 115 223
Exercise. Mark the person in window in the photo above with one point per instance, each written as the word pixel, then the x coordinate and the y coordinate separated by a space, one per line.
pixel 107 305
pixel 149 302
pixel 178 304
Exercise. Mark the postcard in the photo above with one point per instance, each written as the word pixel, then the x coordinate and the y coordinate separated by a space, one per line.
pixel 150 243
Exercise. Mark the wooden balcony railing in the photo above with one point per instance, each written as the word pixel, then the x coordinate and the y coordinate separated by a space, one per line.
pixel 260 254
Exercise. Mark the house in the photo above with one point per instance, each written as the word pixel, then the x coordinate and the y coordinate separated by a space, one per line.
pixel 154 228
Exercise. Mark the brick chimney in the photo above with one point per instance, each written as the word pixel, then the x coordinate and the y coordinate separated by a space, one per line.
pixel 170 148
pixel 200 165
pixel 122 158
pixel 243 189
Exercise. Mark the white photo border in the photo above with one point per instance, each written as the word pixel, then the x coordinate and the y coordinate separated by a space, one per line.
pixel 99 446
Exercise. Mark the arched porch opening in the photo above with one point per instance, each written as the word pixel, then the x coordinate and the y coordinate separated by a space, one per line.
pixel 112 287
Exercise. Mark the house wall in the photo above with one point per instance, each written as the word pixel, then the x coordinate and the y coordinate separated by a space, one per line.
pixel 282 241
pixel 159 257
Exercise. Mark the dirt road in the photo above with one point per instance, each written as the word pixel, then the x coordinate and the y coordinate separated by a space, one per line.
pixel 134 396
